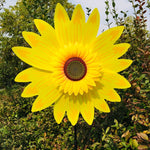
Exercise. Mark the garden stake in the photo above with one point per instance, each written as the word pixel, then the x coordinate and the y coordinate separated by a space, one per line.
pixel 75 137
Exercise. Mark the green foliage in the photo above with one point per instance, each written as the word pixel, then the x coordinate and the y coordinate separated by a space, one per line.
pixel 19 128
pixel 2 4
pixel 126 127
pixel 88 11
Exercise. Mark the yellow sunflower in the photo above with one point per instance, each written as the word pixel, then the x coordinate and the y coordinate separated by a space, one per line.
pixel 72 67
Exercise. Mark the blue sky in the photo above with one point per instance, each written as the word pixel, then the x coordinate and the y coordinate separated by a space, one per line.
pixel 123 5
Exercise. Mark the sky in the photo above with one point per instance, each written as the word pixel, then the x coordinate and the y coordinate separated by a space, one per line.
pixel 123 5
pixel 100 4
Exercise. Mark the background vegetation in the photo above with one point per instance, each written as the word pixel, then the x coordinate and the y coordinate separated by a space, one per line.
pixel 126 127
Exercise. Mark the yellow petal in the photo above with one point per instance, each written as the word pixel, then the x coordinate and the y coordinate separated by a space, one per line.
pixel 119 49
pixel 109 94
pixel 78 16
pixel 34 40
pixel 39 78
pixel 89 81
pixel 114 51
pixel 61 15
pixel 76 88
pixel 34 57
pixel 30 90
pixel 31 74
pixel 83 86
pixel 107 39
pixel 87 108
pixel 117 65
pixel 114 80
pixel 73 110
pixel 61 21
pixel 47 32
pixel 42 85
pixel 99 102
pixel 68 86
pixel 101 105
pixel 92 26
pixel 77 26
pixel 47 96
pixel 24 76
pixel 59 108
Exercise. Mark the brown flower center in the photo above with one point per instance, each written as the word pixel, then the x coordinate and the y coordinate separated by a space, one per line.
pixel 75 68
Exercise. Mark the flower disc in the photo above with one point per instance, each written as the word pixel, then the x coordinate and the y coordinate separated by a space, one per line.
pixel 75 68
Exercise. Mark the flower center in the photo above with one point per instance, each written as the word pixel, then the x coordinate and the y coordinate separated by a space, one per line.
pixel 75 68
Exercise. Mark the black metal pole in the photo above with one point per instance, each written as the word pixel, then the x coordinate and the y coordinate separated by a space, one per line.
pixel 75 137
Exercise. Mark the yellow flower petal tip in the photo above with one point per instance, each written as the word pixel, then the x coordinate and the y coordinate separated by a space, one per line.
pixel 25 34
pixel 58 119
pixel 40 24
pixel 60 13
pixel 17 79
pixel 73 118
pixel 29 91
pixel 94 17
pixel 34 109
pixel 89 119
pixel 72 67
pixel 78 15
pixel 31 38
pixel 130 61
pixel 37 106
pixel 106 110
pixel 21 77
pixel 15 50
pixel 116 31
pixel 59 109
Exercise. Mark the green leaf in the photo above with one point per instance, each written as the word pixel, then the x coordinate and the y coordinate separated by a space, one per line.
pixel 106 12
pixel 95 145
pixel 113 4
pixel 106 2
pixel 136 5
pixel 134 143
pixel 138 12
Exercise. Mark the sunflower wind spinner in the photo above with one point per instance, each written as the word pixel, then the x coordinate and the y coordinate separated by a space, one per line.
pixel 72 67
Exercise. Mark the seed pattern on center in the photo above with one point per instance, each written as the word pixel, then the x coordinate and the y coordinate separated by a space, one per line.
pixel 75 68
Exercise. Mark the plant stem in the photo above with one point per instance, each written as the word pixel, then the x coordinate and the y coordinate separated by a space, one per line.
pixel 75 137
